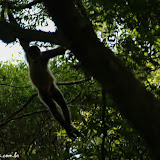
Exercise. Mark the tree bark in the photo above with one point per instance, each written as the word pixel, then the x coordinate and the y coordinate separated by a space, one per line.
pixel 10 31
pixel 138 105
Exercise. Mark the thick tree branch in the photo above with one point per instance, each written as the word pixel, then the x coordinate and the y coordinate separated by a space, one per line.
pixel 139 106
pixel 9 32
pixel 23 6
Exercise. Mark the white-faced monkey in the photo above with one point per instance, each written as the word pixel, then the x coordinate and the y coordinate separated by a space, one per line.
pixel 44 82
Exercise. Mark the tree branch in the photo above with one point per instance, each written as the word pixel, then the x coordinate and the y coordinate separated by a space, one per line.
pixel 9 32
pixel 23 6
pixel 18 111
pixel 104 127
pixel 74 98
pixel 3 84
pixel 73 82
pixel 58 83
pixel 139 106
pixel 36 134
pixel 29 114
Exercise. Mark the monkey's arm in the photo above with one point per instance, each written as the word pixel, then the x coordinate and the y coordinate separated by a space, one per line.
pixel 53 53
pixel 25 46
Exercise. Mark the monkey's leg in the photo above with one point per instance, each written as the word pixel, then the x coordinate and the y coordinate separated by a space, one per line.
pixel 58 97
pixel 53 108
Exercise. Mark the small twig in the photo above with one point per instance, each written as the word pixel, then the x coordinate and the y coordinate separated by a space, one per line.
pixel 77 106
pixel 4 84
pixel 29 114
pixel 19 110
pixel 58 83
pixel 103 125
pixel 74 98
pixel 73 82
pixel 36 134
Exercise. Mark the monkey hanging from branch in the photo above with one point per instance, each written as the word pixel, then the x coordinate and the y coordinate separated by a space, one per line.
pixel 48 91
pixel 44 82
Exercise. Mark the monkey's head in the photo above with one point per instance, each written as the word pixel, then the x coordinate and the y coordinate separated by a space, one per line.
pixel 34 52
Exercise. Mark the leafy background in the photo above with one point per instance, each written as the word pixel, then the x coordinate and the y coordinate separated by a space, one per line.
pixel 131 29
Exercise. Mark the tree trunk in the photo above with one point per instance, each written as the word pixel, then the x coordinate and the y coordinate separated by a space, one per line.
pixel 139 106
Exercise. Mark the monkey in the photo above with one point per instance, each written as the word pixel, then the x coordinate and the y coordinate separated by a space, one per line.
pixel 44 81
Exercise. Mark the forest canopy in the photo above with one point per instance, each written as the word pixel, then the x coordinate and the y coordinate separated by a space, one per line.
pixel 109 76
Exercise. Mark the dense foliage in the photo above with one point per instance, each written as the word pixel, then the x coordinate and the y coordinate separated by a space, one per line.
pixel 34 134
pixel 26 124
pixel 133 36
